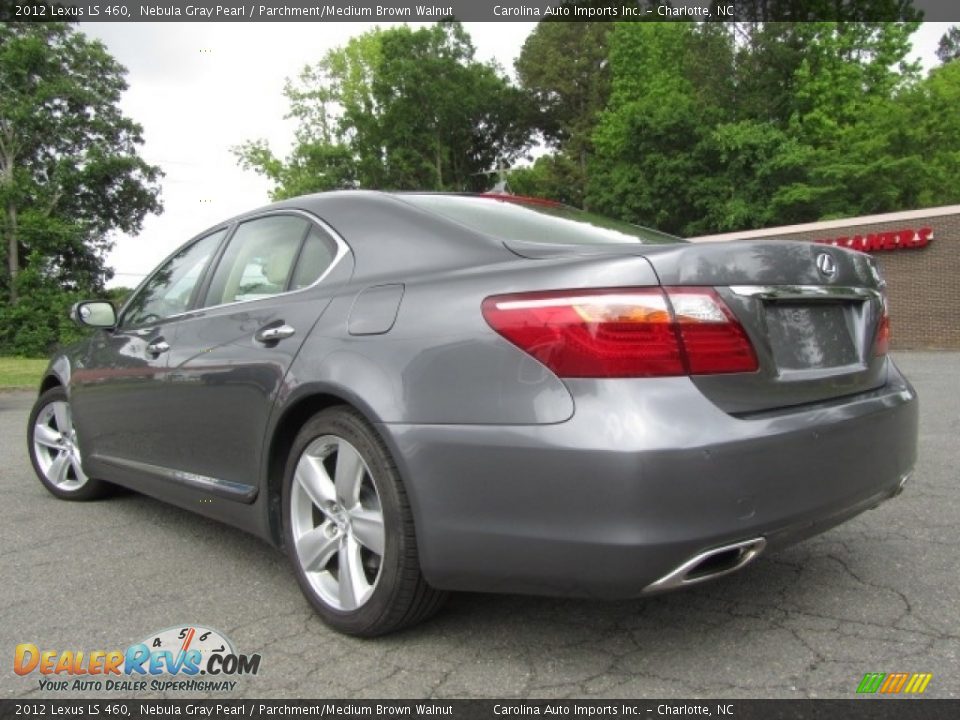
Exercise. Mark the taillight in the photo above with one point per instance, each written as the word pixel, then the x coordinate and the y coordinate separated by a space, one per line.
pixel 882 342
pixel 713 340
pixel 615 333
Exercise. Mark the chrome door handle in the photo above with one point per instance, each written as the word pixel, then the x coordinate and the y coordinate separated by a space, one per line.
pixel 273 334
pixel 158 347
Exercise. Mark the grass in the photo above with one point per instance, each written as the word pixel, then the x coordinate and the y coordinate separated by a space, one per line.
pixel 17 372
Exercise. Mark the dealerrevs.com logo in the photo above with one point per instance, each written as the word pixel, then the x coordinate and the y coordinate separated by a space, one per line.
pixel 188 658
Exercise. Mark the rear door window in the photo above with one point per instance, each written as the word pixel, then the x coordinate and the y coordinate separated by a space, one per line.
pixel 318 253
pixel 259 259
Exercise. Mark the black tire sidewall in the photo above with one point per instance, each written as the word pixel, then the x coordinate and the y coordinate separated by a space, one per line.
pixel 347 424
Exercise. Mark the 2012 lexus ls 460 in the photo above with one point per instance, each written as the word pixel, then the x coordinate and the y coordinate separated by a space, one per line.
pixel 413 393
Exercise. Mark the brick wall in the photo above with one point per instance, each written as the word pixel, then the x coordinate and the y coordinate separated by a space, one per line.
pixel 923 284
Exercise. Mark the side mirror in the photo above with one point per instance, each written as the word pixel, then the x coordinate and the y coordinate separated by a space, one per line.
pixel 94 313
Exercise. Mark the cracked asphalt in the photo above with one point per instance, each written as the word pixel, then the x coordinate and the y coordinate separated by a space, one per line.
pixel 878 594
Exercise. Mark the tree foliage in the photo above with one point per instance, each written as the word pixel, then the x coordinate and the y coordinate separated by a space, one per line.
pixel 397 109
pixel 39 319
pixel 70 174
pixel 564 67
pixel 711 127
pixel 652 138
pixel 691 127
pixel 948 49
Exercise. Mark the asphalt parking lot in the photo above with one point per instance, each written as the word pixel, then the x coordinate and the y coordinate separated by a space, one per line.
pixel 878 594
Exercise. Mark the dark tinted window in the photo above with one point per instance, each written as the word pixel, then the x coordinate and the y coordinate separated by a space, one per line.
pixel 536 222
pixel 258 260
pixel 317 254
pixel 169 291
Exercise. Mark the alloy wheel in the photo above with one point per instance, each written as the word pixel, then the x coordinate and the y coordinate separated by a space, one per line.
pixel 337 523
pixel 55 447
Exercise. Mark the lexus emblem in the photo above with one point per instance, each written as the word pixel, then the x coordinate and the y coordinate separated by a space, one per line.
pixel 826 265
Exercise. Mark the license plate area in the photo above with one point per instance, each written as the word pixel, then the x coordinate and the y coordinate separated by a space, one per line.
pixel 812 335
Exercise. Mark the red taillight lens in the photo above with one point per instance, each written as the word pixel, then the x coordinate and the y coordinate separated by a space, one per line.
pixel 594 333
pixel 624 332
pixel 881 345
pixel 713 339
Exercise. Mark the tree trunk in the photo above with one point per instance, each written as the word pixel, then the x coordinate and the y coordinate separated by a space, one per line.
pixel 13 254
pixel 583 177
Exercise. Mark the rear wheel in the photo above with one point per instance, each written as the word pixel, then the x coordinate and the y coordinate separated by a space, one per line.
pixel 54 451
pixel 349 530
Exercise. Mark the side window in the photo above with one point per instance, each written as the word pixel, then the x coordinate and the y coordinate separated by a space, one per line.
pixel 169 291
pixel 318 252
pixel 258 260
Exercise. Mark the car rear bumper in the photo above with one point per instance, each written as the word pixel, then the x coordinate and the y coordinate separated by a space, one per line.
pixel 645 476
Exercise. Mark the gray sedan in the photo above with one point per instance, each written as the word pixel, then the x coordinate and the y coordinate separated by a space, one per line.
pixel 417 393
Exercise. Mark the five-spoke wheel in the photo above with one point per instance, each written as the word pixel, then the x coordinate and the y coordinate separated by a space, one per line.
pixel 54 449
pixel 337 522
pixel 349 530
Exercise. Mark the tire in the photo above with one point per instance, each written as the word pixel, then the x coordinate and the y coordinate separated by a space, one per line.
pixel 53 449
pixel 344 507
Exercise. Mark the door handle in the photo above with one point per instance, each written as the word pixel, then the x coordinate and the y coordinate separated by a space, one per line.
pixel 275 333
pixel 158 347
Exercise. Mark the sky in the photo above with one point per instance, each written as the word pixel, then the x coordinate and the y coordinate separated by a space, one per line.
pixel 199 89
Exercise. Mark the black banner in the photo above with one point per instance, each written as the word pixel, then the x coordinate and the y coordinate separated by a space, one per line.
pixel 859 709
pixel 477 10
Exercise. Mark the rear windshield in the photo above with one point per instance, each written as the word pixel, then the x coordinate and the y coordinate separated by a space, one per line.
pixel 535 221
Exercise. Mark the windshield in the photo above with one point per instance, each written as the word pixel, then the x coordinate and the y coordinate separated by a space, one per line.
pixel 513 218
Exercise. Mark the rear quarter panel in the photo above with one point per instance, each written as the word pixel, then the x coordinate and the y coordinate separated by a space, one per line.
pixel 441 363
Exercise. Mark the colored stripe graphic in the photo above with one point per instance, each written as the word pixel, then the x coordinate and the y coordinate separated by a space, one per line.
pixel 918 683
pixel 894 683
pixel 871 682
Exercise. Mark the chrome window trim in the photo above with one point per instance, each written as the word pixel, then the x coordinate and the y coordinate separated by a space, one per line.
pixel 805 292
pixel 342 250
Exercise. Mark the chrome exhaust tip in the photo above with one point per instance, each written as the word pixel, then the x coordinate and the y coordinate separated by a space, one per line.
pixel 710 564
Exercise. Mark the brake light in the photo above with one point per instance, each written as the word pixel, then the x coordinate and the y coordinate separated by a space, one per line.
pixel 626 332
pixel 881 345
pixel 713 340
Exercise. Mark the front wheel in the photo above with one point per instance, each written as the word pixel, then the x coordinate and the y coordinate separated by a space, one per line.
pixel 54 451
pixel 349 530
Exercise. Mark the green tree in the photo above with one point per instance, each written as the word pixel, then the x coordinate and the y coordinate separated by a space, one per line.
pixel 38 321
pixel 949 48
pixel 314 165
pixel 70 172
pixel 924 127
pixel 397 109
pixel 849 80
pixel 118 295
pixel 810 122
pixel 663 106
pixel 554 176
pixel 564 68
pixel 748 170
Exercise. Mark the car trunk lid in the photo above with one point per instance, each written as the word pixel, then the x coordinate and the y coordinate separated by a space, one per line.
pixel 811 312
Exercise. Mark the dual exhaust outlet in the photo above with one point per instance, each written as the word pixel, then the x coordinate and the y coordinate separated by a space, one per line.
pixel 709 564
